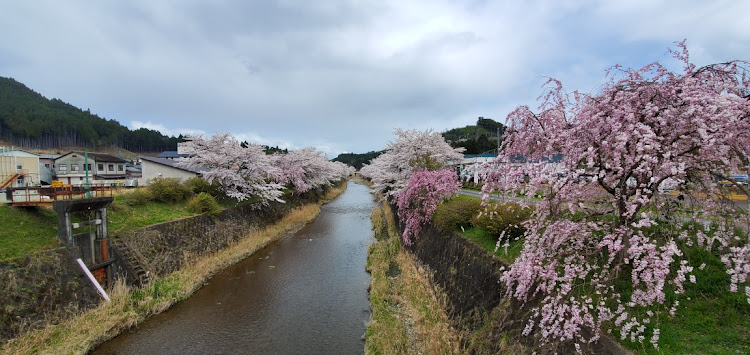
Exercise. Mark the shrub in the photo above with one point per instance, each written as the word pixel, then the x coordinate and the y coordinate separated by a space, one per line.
pixel 506 217
pixel 472 185
pixel 137 196
pixel 456 212
pixel 198 185
pixel 169 190
pixel 204 203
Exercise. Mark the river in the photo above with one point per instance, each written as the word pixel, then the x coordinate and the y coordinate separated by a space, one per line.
pixel 306 293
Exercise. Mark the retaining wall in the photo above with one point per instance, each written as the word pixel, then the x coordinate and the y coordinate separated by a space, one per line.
pixel 477 306
pixel 164 248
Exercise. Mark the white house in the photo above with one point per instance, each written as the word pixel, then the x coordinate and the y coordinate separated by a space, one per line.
pixel 18 168
pixel 160 167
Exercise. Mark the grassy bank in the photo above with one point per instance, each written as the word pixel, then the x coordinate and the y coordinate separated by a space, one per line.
pixel 488 242
pixel 407 312
pixel 131 306
pixel 26 231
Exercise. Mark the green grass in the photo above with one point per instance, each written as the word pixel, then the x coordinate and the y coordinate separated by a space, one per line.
pixel 25 231
pixel 488 242
pixel 709 320
pixel 123 218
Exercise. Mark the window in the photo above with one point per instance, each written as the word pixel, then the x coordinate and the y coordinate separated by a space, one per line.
pixel 100 167
pixel 74 167
pixel 111 167
pixel 119 167
pixel 46 166
pixel 88 167
pixel 19 168
pixel 19 181
pixel 62 167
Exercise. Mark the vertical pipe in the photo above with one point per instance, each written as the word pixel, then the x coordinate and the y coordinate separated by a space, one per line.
pixel 105 252
pixel 104 232
pixel 68 229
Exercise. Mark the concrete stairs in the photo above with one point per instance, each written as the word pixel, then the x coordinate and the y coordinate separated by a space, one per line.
pixel 133 260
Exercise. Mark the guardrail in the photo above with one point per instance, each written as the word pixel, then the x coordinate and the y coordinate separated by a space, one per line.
pixel 40 196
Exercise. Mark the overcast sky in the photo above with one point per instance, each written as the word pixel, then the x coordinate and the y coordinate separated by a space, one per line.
pixel 341 75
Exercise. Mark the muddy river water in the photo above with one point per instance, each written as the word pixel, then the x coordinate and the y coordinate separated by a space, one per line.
pixel 305 294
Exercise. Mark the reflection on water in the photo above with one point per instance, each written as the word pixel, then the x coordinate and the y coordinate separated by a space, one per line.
pixel 306 293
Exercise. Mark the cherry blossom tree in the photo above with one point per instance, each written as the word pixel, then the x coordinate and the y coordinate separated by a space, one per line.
pixel 309 168
pixel 242 172
pixel 412 150
pixel 601 161
pixel 417 202
pixel 412 172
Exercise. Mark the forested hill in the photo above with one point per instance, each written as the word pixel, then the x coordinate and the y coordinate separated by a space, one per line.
pixel 477 139
pixel 30 120
pixel 357 160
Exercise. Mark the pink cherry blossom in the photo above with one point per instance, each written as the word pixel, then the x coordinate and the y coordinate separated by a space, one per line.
pixel 603 160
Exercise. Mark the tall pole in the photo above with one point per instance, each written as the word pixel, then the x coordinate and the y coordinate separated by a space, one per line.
pixel 498 141
pixel 15 162
pixel 86 170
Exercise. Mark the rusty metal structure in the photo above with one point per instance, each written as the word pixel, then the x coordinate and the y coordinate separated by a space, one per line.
pixel 47 195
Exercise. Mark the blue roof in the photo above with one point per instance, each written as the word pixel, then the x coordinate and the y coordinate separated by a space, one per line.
pixel 171 154
pixel 483 155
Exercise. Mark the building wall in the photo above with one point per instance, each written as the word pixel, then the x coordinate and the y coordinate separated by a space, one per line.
pixel 152 170
pixel 28 162
pixel 70 169
pixel 46 170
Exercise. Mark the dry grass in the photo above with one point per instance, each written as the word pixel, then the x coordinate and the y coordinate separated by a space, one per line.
pixel 408 314
pixel 334 192
pixel 424 306
pixel 130 307
pixel 386 333
pixel 362 181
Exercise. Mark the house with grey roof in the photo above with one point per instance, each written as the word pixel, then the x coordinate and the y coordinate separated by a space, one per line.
pixel 161 167
pixel 74 167
pixel 171 154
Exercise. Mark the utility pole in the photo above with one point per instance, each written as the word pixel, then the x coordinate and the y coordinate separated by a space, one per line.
pixel 498 141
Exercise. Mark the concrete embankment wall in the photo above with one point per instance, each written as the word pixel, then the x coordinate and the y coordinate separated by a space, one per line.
pixel 47 287
pixel 477 304
pixel 160 249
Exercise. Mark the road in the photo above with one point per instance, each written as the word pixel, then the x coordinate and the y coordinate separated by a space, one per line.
pixel 496 198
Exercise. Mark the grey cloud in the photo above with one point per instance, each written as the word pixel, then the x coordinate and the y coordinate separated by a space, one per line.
pixel 341 74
